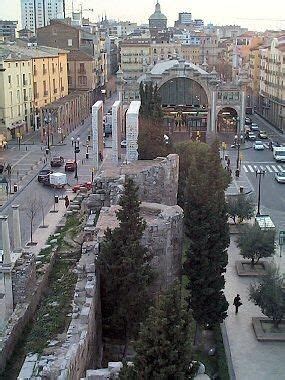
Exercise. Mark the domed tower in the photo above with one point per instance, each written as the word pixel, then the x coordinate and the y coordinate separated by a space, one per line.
pixel 157 21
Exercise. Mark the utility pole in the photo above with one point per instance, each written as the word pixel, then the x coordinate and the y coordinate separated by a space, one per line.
pixel 258 174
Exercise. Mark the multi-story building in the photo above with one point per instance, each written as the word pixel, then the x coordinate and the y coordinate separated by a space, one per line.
pixel 38 13
pixel 271 103
pixel 82 72
pixel 33 78
pixel 16 95
pixel 8 30
pixel 164 51
pixel 191 53
pixel 254 77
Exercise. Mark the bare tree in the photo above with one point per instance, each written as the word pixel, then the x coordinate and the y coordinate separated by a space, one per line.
pixel 32 209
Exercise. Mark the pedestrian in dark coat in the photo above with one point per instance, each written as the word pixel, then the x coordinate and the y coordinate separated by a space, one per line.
pixel 66 201
pixel 237 302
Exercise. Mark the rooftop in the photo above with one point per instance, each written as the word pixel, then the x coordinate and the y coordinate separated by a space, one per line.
pixel 16 52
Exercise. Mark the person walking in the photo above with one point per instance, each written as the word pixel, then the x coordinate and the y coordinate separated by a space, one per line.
pixel 66 201
pixel 237 302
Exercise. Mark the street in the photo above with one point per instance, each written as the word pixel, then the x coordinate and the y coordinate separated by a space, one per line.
pixel 31 187
pixel 272 192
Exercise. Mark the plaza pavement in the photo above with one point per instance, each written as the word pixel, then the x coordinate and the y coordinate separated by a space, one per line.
pixel 251 359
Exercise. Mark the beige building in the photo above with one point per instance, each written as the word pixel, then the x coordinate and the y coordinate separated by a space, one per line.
pixel 33 78
pixel 164 51
pixel 16 95
pixel 82 71
pixel 191 53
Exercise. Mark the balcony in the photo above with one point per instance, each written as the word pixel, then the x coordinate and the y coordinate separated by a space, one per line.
pixel 44 71
pixel 26 98
pixel 36 95
pixel 25 82
pixel 55 90
pixel 45 93
pixel 62 89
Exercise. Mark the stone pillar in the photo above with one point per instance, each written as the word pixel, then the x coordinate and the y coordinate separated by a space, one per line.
pixel 6 240
pixel 132 131
pixel 17 229
pixel 97 132
pixel 213 112
pixel 116 131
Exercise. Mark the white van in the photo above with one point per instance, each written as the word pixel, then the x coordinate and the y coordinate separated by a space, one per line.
pixel 279 153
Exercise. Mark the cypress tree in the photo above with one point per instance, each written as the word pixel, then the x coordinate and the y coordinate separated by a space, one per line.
pixel 207 229
pixel 125 270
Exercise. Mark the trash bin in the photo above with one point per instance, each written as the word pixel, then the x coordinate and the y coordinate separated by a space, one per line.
pixel 241 189
pixel 47 151
pixel 237 173
pixel 15 188
pixel 56 199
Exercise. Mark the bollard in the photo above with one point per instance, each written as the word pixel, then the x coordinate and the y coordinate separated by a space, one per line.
pixel 26 148
pixel 15 188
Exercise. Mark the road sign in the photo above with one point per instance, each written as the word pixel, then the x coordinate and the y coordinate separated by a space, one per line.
pixel 281 238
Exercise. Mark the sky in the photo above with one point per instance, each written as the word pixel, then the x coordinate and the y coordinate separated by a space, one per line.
pixel 248 13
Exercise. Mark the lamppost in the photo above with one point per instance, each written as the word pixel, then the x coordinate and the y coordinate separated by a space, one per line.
pixel 75 143
pixel 47 121
pixel 87 151
pixel 19 137
pixel 258 174
pixel 238 141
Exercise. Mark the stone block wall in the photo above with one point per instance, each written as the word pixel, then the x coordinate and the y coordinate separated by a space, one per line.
pixel 163 236
pixel 68 356
pixel 157 181
pixel 23 277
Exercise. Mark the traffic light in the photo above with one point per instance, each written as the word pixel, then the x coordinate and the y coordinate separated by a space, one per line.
pixel 77 150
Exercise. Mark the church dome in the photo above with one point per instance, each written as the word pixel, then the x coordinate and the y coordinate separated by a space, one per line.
pixel 157 15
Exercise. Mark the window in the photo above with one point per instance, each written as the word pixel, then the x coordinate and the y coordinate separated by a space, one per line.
pixel 11 97
pixel 69 42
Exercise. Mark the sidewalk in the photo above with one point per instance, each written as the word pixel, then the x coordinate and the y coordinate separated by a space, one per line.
pixel 251 359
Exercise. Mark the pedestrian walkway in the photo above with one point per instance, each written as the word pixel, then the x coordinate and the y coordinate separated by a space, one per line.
pixel 251 359
pixel 267 166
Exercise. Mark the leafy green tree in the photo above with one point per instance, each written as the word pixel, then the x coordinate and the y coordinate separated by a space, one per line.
pixel 151 142
pixel 241 207
pixel 125 270
pixel 269 295
pixel 255 243
pixel 208 233
pixel 163 349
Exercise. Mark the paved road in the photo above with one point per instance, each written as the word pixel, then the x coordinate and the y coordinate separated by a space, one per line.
pixel 45 194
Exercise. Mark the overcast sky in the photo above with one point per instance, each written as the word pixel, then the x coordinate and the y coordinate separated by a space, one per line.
pixel 218 12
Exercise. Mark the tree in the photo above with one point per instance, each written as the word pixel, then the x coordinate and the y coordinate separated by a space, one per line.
pixel 125 270
pixel 255 243
pixel 151 142
pixel 163 349
pixel 269 295
pixel 208 233
pixel 241 207
pixel 32 209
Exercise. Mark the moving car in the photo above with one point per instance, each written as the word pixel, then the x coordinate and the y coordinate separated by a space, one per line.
pixel 258 145
pixel 250 136
pixel 87 185
pixel 262 135
pixel 70 166
pixel 44 174
pixel 279 153
pixel 55 180
pixel 280 177
pixel 123 143
pixel 254 127
pixel 56 162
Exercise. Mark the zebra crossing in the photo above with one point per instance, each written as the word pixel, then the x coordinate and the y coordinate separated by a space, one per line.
pixel 268 167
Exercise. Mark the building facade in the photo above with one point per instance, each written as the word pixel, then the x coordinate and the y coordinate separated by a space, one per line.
pixel 38 13
pixel 16 95
pixel 271 104
pixel 8 30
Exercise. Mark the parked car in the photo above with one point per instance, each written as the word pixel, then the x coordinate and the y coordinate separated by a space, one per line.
pixel 254 127
pixel 280 177
pixel 258 145
pixel 87 185
pixel 70 166
pixel 44 175
pixel 123 143
pixel 247 121
pixel 262 135
pixel 56 162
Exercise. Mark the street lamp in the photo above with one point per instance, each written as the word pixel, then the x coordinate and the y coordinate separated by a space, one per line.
pixel 258 174
pixel 19 137
pixel 87 151
pixel 76 150
pixel 47 121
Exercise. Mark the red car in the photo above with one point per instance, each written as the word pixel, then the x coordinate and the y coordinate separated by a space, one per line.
pixel 87 185
pixel 70 166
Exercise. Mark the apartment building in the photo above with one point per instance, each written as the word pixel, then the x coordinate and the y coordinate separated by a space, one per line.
pixel 8 30
pixel 16 95
pixel 36 14
pixel 82 72
pixel 271 103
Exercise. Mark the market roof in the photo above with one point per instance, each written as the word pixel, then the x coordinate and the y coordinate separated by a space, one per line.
pixel 161 67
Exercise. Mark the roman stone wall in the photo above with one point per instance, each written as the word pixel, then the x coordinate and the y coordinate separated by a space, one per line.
pixel 23 277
